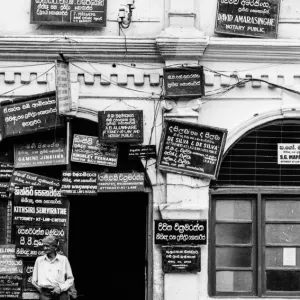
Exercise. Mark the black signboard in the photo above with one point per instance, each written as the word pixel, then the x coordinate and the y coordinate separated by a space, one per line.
pixel 29 117
pixel 27 276
pixel 191 149
pixel 40 206
pixel 41 153
pixel 141 151
pixel 181 259
pixel 69 12
pixel 184 82
pixel 28 239
pixel 180 232
pixel 9 264
pixel 121 182
pixel 10 293
pixel 26 178
pixel 3 190
pixel 6 170
pixel 121 126
pixel 79 183
pixel 88 149
pixel 248 18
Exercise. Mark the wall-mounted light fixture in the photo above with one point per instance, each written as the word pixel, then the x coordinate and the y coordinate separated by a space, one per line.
pixel 125 14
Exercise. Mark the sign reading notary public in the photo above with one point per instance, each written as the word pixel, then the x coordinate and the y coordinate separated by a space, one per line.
pixel 62 82
pixel 29 117
pixel 288 154
pixel 121 126
pixel 180 232
pixel 121 182
pixel 69 12
pixel 79 183
pixel 41 153
pixel 184 82
pixel 88 149
pixel 257 18
pixel 191 149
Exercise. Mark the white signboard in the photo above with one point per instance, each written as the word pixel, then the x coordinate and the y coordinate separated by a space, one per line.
pixel 63 95
pixel 288 154
pixel 289 256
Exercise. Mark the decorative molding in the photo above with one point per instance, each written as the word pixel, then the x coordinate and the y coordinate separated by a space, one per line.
pixel 253 50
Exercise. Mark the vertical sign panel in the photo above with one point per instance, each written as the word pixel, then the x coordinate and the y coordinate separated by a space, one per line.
pixel 63 94
pixel 248 18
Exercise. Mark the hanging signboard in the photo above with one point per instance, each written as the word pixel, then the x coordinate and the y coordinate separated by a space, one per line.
pixel 141 151
pixel 248 18
pixel 120 182
pixel 180 232
pixel 3 190
pixel 69 12
pixel 88 149
pixel 191 149
pixel 79 183
pixel 288 154
pixel 121 126
pixel 6 170
pixel 26 178
pixel 29 117
pixel 40 206
pixel 11 270
pixel 28 239
pixel 41 153
pixel 63 92
pixel 181 259
pixel 9 264
pixel 184 82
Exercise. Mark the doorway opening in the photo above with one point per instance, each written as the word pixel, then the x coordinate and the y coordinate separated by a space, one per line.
pixel 108 245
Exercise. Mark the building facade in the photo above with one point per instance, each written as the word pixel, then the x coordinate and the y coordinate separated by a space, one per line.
pixel 251 91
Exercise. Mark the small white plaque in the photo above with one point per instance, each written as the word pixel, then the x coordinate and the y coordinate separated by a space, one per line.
pixel 289 256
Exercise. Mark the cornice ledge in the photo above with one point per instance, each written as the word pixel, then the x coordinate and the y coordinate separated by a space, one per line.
pixel 181 44
pixel 253 50
pixel 41 48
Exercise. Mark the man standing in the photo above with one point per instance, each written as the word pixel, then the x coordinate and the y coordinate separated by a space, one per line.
pixel 52 274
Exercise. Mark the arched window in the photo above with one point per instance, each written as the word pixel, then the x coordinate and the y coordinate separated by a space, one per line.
pixel 255 215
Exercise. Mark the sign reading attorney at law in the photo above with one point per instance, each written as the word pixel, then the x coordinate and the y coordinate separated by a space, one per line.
pixel 40 206
pixel 62 81
pixel 184 82
pixel 87 149
pixel 121 126
pixel 26 178
pixel 29 238
pixel 10 286
pixel 256 18
pixel 41 153
pixel 181 259
pixel 69 12
pixel 192 149
pixel 120 182
pixel 180 232
pixel 288 154
pixel 29 117
pixel 79 183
